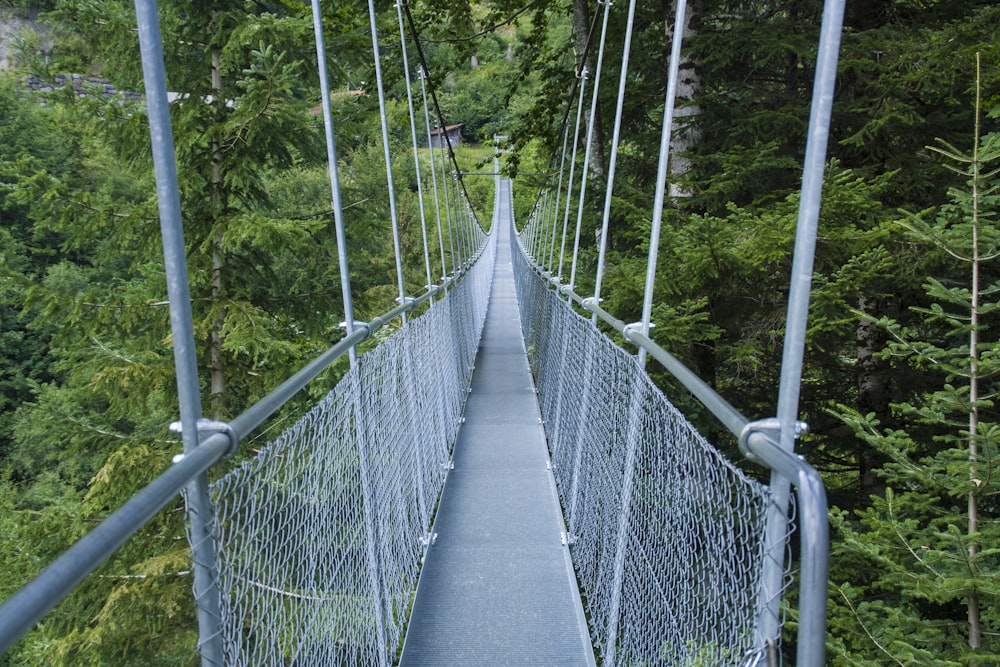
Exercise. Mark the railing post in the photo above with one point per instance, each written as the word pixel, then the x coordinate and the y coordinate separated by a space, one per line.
pixel 820 116
pixel 206 590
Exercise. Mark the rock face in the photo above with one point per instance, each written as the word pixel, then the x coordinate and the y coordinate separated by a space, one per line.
pixel 83 86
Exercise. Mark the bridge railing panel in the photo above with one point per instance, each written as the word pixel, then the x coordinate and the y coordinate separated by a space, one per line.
pixel 667 535
pixel 320 535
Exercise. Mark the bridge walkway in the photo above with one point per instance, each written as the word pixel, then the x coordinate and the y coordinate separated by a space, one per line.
pixel 498 587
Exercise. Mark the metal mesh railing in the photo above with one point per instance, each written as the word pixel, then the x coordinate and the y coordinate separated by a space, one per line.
pixel 319 536
pixel 667 535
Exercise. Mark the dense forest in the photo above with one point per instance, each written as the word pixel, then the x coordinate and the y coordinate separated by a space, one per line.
pixel 901 359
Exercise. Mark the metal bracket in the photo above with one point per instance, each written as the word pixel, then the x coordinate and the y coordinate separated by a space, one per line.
pixel 210 426
pixel 406 301
pixel 358 324
pixel 428 539
pixel 567 539
pixel 628 329
pixel 769 427
pixel 590 302
pixel 448 465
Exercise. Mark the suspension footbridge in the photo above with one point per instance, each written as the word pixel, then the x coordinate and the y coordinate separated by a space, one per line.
pixel 498 587
pixel 497 482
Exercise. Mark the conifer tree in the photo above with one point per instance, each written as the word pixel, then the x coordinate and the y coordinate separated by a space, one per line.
pixel 915 578
pixel 96 432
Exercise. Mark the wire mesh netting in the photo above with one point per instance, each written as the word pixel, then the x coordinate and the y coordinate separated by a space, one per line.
pixel 319 537
pixel 668 536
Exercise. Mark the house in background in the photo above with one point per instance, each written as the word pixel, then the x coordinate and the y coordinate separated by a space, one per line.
pixel 454 135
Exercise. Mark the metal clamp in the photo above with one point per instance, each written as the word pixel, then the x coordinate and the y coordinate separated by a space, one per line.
pixel 771 429
pixel 210 426
pixel 358 324
pixel 628 329
pixel 590 303
pixel 406 301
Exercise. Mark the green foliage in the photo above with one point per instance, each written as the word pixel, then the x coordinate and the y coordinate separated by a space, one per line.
pixel 26 8
pixel 85 347
pixel 924 549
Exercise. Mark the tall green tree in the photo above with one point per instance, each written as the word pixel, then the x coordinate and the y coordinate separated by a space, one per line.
pixel 93 432
pixel 929 589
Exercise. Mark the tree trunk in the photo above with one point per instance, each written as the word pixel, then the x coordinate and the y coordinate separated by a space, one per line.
pixel 217 391
pixel 975 629
pixel 870 375
pixel 689 88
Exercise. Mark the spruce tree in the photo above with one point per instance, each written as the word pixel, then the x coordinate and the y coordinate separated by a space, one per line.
pixel 915 578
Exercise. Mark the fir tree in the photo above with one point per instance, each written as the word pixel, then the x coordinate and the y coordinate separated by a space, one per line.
pixel 925 586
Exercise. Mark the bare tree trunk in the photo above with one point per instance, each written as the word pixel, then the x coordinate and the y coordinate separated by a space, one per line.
pixel 975 626
pixel 217 391
pixel 689 88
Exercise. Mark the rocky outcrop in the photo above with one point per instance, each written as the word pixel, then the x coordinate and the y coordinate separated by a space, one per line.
pixel 83 86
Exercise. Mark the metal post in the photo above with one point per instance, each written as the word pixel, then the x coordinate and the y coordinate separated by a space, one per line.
pixel 206 591
pixel 590 141
pixel 661 171
pixel 331 159
pixel 463 238
pixel 555 209
pixel 387 154
pixel 588 371
pixel 372 538
pixel 572 168
pixel 624 515
pixel 416 148
pixel 447 203
pixel 616 133
pixel 538 229
pixel 430 154
pixel 798 305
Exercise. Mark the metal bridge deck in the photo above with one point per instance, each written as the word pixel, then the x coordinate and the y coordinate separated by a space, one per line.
pixel 498 587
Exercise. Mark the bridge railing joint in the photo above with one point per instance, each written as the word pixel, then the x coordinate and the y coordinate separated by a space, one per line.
pixel 211 426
